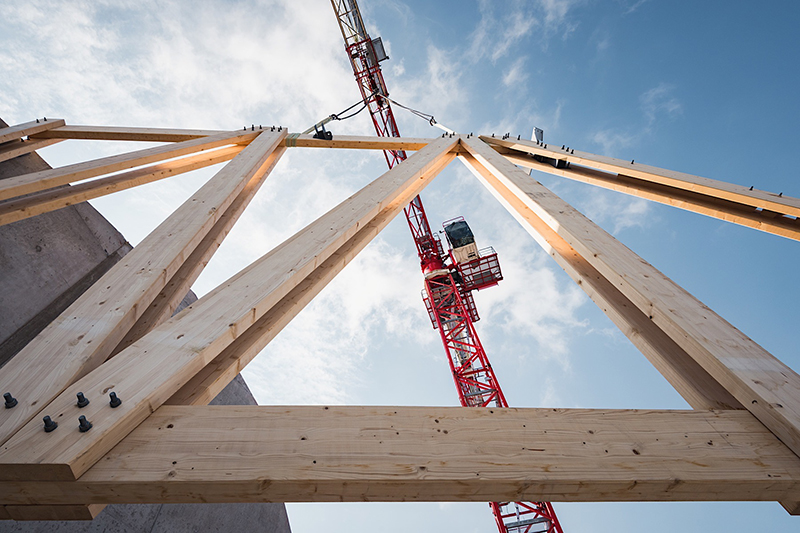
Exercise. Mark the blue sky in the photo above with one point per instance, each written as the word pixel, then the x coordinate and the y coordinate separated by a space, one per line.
pixel 707 88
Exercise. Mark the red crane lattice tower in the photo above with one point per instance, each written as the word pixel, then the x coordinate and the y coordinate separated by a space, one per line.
pixel 448 282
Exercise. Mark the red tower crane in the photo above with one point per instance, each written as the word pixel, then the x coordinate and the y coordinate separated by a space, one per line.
pixel 450 277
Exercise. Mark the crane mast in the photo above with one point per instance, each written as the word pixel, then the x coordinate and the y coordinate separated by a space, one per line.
pixel 450 277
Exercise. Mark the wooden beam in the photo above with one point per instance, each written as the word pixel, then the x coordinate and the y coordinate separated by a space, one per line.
pixel 761 383
pixel 692 382
pixel 210 381
pixel 47 179
pixel 147 373
pixel 12 133
pixel 168 300
pixel 45 201
pixel 13 149
pixel 161 309
pixel 713 188
pixel 317 453
pixel 116 133
pixel 357 142
pixel 84 336
pixel 744 215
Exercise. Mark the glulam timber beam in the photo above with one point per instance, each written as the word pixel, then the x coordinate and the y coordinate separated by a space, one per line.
pixel 360 142
pixel 334 454
pixel 689 379
pixel 47 179
pixel 148 372
pixel 118 133
pixel 37 203
pixel 12 133
pixel 89 330
pixel 762 210
pixel 13 149
pixel 760 382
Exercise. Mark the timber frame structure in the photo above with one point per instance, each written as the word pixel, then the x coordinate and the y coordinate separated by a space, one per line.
pixel 163 443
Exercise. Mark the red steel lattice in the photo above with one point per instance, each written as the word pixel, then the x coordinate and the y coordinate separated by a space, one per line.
pixel 450 304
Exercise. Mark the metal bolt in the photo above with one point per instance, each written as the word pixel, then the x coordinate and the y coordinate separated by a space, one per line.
pixel 83 401
pixel 115 402
pixel 49 424
pixel 10 400
pixel 83 424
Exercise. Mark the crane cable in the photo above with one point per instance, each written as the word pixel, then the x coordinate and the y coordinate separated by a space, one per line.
pixel 337 116
pixel 426 116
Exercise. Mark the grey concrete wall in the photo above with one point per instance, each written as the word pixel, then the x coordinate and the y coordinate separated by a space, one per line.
pixel 46 262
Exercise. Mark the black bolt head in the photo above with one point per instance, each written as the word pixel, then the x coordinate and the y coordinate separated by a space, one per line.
pixel 83 401
pixel 49 424
pixel 115 402
pixel 10 400
pixel 83 424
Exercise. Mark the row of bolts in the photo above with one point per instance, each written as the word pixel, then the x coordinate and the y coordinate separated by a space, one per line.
pixel 506 136
pixel 253 128
pixel 83 424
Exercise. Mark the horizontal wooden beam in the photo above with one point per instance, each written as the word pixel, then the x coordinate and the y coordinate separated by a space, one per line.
pixel 12 133
pixel 334 454
pixel 86 333
pixel 744 215
pixel 357 142
pixel 760 382
pixel 45 201
pixel 147 373
pixel 13 149
pixel 712 188
pixel 117 133
pixel 47 179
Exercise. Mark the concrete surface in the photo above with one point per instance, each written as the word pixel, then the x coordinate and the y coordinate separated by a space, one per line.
pixel 46 262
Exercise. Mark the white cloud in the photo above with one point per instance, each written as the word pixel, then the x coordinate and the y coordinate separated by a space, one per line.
pixel 659 101
pixel 516 74
pixel 612 141
pixel 631 6
pixel 655 103
pixel 214 66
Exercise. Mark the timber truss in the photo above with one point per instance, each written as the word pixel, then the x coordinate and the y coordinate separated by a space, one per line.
pixel 164 444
